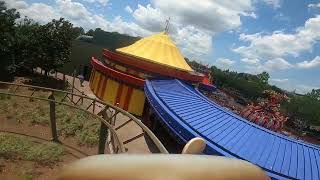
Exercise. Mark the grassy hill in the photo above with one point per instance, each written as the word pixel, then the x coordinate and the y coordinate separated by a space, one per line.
pixel 112 40
pixel 83 49
pixel 81 53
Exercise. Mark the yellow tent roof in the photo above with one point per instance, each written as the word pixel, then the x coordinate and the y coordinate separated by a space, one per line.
pixel 158 48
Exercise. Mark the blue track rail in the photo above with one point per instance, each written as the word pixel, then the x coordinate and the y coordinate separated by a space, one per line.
pixel 188 114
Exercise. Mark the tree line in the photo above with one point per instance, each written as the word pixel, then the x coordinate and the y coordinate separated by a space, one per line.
pixel 25 44
pixel 302 110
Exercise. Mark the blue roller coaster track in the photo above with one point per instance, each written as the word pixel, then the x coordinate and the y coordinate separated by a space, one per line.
pixel 188 114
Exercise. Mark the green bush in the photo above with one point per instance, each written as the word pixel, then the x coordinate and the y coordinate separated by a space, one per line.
pixel 303 108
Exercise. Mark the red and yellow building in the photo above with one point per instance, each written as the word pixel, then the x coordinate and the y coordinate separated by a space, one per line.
pixel 120 77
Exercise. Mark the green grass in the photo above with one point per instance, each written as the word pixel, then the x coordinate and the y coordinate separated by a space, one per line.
pixel 59 95
pixel 17 109
pixel 26 177
pixel 22 148
pixel 70 121
pixel 78 124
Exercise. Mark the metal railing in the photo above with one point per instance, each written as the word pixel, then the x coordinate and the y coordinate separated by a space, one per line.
pixel 107 113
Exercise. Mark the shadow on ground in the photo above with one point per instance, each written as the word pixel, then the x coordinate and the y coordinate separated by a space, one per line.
pixel 46 81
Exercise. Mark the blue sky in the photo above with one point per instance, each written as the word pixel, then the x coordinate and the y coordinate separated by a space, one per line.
pixel 281 37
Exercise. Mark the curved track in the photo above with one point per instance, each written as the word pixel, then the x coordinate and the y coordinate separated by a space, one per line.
pixel 188 114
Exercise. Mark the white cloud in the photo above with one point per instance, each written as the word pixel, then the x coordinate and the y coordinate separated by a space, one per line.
pixel 102 2
pixel 224 63
pixel 269 50
pixel 130 28
pixel 193 24
pixel 250 61
pixel 128 9
pixel 309 64
pixel 303 89
pixel 209 15
pixel 280 44
pixel 40 12
pixel 43 13
pixel 255 66
pixel 275 3
pixel 73 10
pixel 277 64
pixel 270 65
pixel 149 18
pixel 278 80
pixel 251 14
pixel 281 17
pixel 314 5
pixel 78 14
pixel 193 42
pixel 16 4
pixel 291 85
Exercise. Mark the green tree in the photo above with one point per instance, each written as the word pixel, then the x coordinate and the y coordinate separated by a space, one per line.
pixel 77 31
pixel 25 45
pixel 54 44
pixel 7 33
pixel 303 108
pixel 90 32
pixel 263 77
pixel 315 94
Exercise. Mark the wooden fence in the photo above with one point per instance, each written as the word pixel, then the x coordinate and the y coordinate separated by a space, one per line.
pixel 107 114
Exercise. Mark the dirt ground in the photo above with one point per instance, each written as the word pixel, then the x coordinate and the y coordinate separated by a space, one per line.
pixel 18 169
pixel 12 168
pixel 27 170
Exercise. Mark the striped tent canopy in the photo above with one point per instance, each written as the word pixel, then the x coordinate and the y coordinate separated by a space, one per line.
pixel 159 49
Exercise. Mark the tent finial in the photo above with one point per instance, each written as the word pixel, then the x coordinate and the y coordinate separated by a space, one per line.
pixel 166 30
